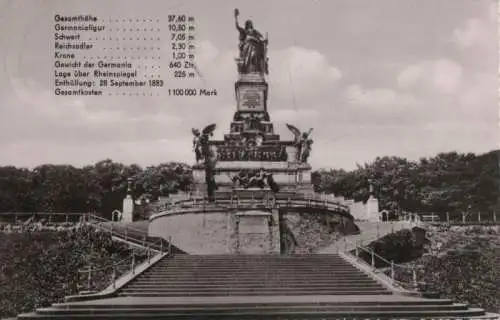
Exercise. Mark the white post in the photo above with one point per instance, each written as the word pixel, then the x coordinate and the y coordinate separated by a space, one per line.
pixel 392 271
pixel 89 280
pixel 133 263
pixel 114 275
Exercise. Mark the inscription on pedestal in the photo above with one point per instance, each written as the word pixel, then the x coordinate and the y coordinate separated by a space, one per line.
pixel 251 97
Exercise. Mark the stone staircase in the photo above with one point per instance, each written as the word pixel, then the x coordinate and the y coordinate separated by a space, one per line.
pixel 369 232
pixel 257 287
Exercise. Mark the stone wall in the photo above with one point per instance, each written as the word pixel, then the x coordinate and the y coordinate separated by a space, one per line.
pixel 196 233
pixel 368 211
pixel 219 232
pixel 310 231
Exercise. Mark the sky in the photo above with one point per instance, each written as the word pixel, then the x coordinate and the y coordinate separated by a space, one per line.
pixel 407 78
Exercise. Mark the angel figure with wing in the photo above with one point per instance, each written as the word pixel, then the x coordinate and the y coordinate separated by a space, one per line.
pixel 200 142
pixel 196 144
pixel 302 141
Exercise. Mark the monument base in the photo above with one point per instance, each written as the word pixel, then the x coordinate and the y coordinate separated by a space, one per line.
pixel 257 232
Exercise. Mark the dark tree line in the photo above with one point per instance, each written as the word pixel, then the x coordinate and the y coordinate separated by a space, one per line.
pixel 100 187
pixel 449 182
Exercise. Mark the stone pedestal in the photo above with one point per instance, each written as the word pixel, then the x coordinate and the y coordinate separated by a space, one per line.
pixel 257 232
pixel 128 209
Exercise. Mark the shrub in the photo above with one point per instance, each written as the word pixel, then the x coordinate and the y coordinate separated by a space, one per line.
pixel 41 268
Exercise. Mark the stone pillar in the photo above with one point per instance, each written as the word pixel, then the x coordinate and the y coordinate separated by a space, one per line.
pixel 128 209
pixel 128 205
pixel 372 209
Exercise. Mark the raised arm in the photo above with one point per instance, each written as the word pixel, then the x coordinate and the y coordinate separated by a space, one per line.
pixel 236 13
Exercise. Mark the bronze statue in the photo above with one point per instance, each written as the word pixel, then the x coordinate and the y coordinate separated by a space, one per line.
pixel 200 141
pixel 197 144
pixel 208 155
pixel 253 48
pixel 302 142
pixel 256 178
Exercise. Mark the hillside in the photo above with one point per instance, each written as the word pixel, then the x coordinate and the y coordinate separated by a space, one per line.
pixel 40 268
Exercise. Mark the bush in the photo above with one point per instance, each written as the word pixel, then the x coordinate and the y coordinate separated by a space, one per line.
pixel 463 265
pixel 41 268
pixel 401 246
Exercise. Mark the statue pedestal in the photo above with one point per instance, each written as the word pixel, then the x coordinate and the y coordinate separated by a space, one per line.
pixel 251 94
pixel 257 232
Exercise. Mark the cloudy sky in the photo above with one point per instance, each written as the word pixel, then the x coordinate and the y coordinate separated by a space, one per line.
pixel 388 77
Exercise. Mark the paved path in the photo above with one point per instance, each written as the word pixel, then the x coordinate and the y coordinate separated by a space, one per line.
pixel 369 232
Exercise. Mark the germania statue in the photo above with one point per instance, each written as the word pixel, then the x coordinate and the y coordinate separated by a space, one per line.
pixel 253 48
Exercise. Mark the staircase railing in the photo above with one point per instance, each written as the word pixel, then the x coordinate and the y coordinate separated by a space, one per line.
pixel 128 234
pixel 97 279
pixel 108 275
pixel 409 285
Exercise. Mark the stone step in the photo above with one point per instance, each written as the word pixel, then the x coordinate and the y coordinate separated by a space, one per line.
pixel 247 292
pixel 299 315
pixel 277 267
pixel 275 301
pixel 216 263
pixel 283 278
pixel 274 314
pixel 291 286
pixel 189 282
pixel 266 303
pixel 218 309
pixel 263 274
pixel 256 262
pixel 252 262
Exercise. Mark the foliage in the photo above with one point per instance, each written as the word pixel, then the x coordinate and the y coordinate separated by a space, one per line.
pixel 449 182
pixel 401 246
pixel 100 187
pixel 40 268
pixel 464 266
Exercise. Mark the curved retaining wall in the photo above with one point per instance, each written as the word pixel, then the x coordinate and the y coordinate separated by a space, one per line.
pixel 196 232
pixel 214 229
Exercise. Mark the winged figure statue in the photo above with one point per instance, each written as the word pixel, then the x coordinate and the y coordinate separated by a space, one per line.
pixel 295 131
pixel 302 142
pixel 200 141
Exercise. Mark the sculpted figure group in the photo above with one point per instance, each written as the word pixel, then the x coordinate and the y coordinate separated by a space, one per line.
pixel 257 179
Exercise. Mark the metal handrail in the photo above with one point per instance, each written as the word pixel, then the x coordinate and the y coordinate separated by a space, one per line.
pixel 133 264
pixel 144 242
pixel 414 283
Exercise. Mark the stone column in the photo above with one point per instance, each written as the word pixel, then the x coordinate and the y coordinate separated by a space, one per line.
pixel 128 205
pixel 372 209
